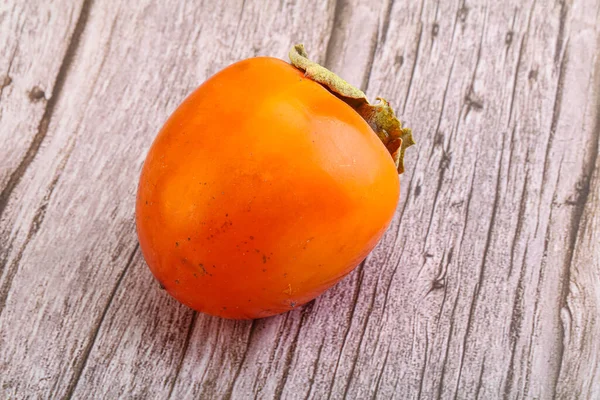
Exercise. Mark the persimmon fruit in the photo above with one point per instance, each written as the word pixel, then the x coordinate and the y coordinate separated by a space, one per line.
pixel 266 186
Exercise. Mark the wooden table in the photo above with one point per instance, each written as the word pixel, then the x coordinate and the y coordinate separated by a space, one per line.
pixel 487 284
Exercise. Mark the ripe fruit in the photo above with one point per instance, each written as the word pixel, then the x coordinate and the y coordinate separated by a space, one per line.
pixel 264 189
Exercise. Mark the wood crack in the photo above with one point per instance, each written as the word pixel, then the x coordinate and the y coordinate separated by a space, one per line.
pixel 389 285
pixel 444 161
pixel 290 355
pixel 380 375
pixel 422 376
pixel 442 168
pixel 482 267
pixel 557 108
pixel 536 303
pixel 212 353
pixel 511 149
pixel 408 194
pixel 336 34
pixel 577 219
pixel 386 21
pixel 470 98
pixel 440 387
pixel 311 380
pixel 186 345
pixel 360 342
pixel 468 205
pixel 414 67
pixel 437 140
pixel 560 38
pixel 520 222
pixel 461 15
pixel 519 62
pixel 82 362
pixel 554 122
pixel 229 393
pixel 349 323
pixel 480 379
pixel 239 24
pixel 515 328
pixel 369 67
pixel 37 220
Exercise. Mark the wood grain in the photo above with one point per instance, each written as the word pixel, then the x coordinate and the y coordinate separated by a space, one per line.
pixel 487 284
pixel 38 44
pixel 29 89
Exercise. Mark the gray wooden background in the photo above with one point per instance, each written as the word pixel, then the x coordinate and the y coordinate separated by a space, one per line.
pixel 487 284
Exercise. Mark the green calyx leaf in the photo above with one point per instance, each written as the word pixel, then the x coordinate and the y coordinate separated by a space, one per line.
pixel 380 116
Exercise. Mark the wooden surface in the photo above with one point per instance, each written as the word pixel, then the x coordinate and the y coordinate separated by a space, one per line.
pixel 487 284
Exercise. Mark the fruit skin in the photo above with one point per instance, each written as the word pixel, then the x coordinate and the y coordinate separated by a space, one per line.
pixel 261 191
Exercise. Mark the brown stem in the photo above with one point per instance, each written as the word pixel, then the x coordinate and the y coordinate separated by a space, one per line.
pixel 380 116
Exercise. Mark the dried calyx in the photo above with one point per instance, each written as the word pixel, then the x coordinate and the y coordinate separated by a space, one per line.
pixel 379 116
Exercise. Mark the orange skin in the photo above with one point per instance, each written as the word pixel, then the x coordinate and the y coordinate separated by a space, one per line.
pixel 261 191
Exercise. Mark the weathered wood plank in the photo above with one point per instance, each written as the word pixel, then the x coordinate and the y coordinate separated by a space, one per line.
pixel 485 286
pixel 579 370
pixel 485 223
pixel 38 44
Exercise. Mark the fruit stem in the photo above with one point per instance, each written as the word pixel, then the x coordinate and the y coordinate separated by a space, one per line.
pixel 380 116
